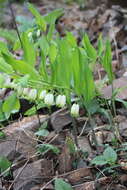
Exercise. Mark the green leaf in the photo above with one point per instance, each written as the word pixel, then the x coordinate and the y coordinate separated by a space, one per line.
pixel 42 133
pixel 62 185
pixel 4 165
pixel 23 81
pixel 71 39
pixel 9 35
pixel 24 23
pixel 3 47
pixel 2 115
pixel 90 50
pixel 5 67
pixel 33 110
pixel 21 67
pixel 44 45
pixel 2 135
pixel 110 155
pixel 54 15
pixel 44 125
pixel 76 69
pixel 107 61
pixel 43 148
pixel 122 101
pixel 52 53
pixel 29 50
pixel 93 106
pixel 87 81
pixel 11 104
pixel 50 32
pixel 99 160
pixel 39 19
pixel 63 64
pixel 2 80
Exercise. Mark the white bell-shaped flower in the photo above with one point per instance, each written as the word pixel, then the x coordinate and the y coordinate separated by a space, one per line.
pixel 49 99
pixel 61 101
pixel 38 33
pixel 26 91
pixel 30 35
pixel 33 94
pixel 75 110
pixel 42 94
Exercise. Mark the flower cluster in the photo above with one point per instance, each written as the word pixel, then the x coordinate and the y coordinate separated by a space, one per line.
pixel 48 98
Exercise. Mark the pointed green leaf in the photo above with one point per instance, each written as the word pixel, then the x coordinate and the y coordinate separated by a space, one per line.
pixel 29 51
pixel 107 61
pixel 39 19
pixel 62 185
pixel 21 67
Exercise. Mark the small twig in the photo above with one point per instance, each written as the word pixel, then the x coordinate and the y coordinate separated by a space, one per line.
pixel 47 183
pixel 18 174
pixel 75 131
pixel 100 171
pixel 39 121
pixel 84 126
pixel 93 132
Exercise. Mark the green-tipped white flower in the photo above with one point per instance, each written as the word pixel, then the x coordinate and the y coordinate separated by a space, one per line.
pixel 30 35
pixel 42 94
pixel 75 110
pixel 38 33
pixel 26 91
pixel 7 82
pixel 13 85
pixel 19 90
pixel 49 99
pixel 33 94
pixel 61 101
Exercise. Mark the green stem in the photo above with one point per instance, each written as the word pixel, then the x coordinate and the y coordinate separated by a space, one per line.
pixel 92 124
pixel 50 110
pixel 39 121
pixel 113 100
pixel 75 131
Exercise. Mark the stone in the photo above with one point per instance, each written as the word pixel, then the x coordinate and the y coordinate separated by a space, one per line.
pixel 60 119
pixel 31 175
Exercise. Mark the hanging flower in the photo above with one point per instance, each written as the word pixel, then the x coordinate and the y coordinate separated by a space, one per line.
pixel 42 94
pixel 38 33
pixel 49 99
pixel 61 101
pixel 26 91
pixel 75 110
pixel 33 94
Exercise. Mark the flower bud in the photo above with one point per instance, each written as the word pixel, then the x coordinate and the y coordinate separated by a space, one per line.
pixel 7 82
pixel 61 101
pixel 49 99
pixel 38 33
pixel 26 91
pixel 30 35
pixel 33 94
pixel 13 85
pixel 75 110
pixel 42 94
